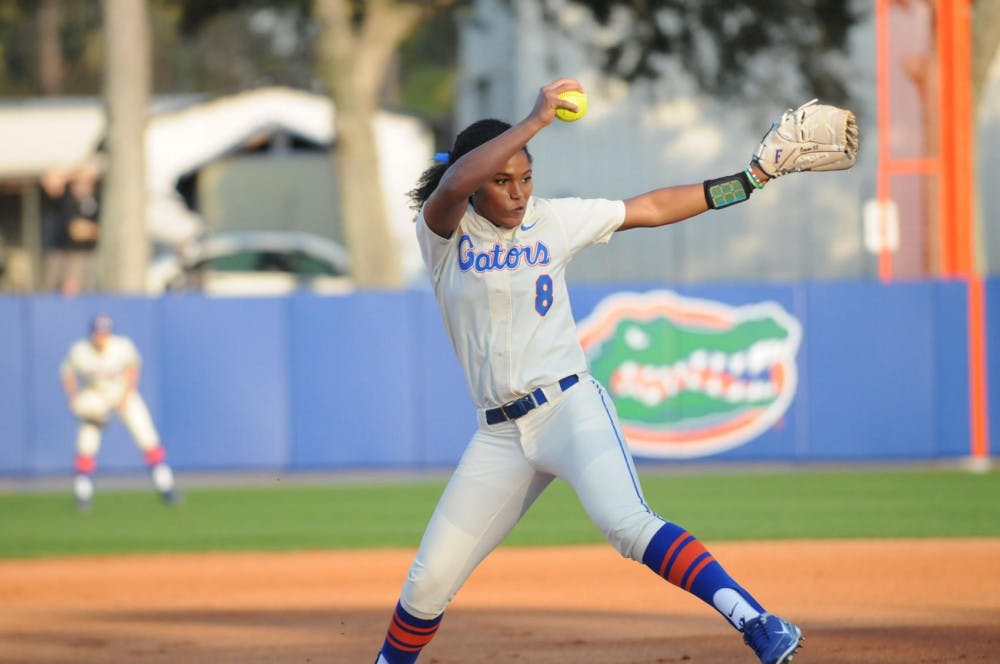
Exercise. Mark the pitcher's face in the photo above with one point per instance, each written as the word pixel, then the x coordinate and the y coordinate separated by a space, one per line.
pixel 504 197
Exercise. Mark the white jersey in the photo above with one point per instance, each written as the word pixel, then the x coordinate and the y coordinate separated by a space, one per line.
pixel 503 297
pixel 104 372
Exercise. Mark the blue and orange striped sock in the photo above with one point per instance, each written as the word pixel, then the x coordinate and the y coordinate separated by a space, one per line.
pixel 678 556
pixel 407 636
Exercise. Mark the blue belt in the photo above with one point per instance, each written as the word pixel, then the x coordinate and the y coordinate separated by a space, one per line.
pixel 521 407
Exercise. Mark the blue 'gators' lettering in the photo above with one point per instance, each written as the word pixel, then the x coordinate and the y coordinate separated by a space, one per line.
pixel 497 258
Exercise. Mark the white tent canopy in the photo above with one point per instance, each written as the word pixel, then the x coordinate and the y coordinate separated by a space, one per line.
pixel 38 135
pixel 41 134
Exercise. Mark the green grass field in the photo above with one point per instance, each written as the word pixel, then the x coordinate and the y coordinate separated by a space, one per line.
pixel 726 506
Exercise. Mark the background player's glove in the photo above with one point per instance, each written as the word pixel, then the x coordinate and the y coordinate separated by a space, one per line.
pixel 813 137
pixel 90 406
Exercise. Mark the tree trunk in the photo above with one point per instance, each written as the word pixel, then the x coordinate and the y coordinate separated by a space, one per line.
pixel 356 46
pixel 375 256
pixel 50 55
pixel 124 237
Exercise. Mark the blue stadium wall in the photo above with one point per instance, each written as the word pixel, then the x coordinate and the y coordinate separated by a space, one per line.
pixel 370 381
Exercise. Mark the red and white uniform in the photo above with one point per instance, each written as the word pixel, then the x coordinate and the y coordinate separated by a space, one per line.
pixel 104 388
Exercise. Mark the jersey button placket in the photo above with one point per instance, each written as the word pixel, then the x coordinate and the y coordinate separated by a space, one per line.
pixel 509 331
pixel 501 311
pixel 496 333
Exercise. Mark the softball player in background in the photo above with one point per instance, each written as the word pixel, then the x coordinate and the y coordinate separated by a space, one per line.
pixel 497 258
pixel 100 376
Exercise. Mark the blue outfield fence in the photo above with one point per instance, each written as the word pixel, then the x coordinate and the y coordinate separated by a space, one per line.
pixel 799 372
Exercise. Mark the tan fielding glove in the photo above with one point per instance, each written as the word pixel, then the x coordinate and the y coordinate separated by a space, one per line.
pixel 813 137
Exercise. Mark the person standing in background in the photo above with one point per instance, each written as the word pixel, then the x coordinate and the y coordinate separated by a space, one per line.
pixel 71 210
pixel 100 376
pixel 55 203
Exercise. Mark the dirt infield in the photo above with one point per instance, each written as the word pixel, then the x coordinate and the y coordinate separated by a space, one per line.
pixel 909 601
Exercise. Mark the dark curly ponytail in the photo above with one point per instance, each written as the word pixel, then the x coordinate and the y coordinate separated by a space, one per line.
pixel 468 139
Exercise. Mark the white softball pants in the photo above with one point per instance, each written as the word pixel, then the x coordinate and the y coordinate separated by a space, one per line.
pixel 135 416
pixel 506 466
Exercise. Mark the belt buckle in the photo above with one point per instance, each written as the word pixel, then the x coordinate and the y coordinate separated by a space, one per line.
pixel 518 407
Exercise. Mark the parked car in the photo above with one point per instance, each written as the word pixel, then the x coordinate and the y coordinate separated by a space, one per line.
pixel 254 263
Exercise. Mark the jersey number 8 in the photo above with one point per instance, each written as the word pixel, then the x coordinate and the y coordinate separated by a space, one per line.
pixel 543 294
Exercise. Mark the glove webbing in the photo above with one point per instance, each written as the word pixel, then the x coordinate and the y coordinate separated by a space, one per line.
pixel 730 190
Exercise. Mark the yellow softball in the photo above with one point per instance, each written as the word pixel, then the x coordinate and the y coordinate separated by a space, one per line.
pixel 577 97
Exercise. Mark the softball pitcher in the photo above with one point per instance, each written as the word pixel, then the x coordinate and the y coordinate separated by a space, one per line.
pixel 497 258
pixel 100 376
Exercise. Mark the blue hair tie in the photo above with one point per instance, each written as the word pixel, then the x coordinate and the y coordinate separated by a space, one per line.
pixel 442 157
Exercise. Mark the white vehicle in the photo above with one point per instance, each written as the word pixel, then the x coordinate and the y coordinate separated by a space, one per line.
pixel 242 263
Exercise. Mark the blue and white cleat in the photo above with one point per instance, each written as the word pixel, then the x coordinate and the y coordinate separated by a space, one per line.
pixel 772 639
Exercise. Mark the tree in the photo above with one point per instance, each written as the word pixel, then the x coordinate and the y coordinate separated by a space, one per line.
pixel 734 50
pixel 51 68
pixel 124 242
pixel 357 41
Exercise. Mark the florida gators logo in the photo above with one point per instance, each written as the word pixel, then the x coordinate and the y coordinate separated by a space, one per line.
pixel 692 377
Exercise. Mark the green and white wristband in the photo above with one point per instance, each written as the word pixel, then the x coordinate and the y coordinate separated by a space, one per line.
pixel 757 184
